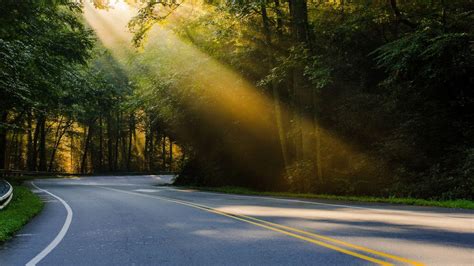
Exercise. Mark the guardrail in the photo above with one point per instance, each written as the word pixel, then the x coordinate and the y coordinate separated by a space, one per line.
pixel 6 193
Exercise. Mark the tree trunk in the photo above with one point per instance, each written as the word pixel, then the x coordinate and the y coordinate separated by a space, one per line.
pixel 300 33
pixel 317 135
pixel 3 138
pixel 34 159
pixel 342 9
pixel 101 145
pixel 151 155
pixel 299 20
pixel 53 152
pixel 42 143
pixel 146 148
pixel 171 154
pixel 19 155
pixel 86 148
pixel 308 136
pixel 183 157
pixel 130 140
pixel 279 19
pixel 399 16
pixel 117 142
pixel 71 137
pixel 163 151
pixel 110 150
pixel 11 151
pixel 151 148
pixel 29 146
pixel 60 131
pixel 92 153
pixel 275 89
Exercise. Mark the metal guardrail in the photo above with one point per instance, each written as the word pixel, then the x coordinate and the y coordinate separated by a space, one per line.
pixel 6 193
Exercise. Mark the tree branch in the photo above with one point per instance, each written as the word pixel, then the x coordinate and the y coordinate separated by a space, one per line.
pixel 399 15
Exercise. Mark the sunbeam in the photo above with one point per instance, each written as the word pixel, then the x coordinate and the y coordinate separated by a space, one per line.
pixel 229 98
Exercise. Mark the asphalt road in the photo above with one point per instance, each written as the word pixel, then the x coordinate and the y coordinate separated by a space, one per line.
pixel 129 220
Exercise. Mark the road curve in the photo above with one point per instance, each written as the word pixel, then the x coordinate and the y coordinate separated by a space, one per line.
pixel 131 220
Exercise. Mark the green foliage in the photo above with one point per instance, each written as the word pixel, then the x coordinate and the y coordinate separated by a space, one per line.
pixel 363 97
pixel 419 61
pixel 23 207
pixel 390 85
pixel 149 14
pixel 41 45
pixel 429 74
pixel 51 75
pixel 14 58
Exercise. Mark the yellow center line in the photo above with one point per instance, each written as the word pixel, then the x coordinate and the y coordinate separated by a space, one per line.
pixel 333 240
pixel 285 230
pixel 342 243
pixel 380 262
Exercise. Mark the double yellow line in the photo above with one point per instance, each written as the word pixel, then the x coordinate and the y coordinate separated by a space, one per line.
pixel 320 240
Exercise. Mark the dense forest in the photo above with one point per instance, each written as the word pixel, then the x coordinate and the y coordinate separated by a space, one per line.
pixel 354 97
pixel 65 104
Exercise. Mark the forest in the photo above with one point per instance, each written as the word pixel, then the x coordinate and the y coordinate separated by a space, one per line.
pixel 343 97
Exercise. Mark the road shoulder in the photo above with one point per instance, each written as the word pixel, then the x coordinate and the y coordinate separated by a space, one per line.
pixel 24 206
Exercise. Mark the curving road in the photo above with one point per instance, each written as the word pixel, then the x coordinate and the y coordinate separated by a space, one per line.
pixel 129 220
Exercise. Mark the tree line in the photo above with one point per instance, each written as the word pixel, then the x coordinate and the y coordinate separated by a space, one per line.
pixel 64 100
pixel 360 97
pixel 368 97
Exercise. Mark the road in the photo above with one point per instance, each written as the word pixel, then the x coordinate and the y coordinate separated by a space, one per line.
pixel 131 220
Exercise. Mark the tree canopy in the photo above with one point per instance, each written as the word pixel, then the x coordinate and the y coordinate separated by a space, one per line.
pixel 365 97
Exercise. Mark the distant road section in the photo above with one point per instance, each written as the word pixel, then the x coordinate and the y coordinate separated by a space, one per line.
pixel 126 220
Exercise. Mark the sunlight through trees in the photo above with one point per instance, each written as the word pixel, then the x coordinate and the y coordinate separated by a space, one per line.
pixel 341 97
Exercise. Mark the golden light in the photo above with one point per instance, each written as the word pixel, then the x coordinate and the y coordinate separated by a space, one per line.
pixel 118 4
pixel 230 97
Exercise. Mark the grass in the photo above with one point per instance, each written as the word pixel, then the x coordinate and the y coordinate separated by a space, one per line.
pixel 459 203
pixel 23 207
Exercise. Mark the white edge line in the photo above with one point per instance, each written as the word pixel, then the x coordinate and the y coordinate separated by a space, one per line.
pixel 282 199
pixel 322 204
pixel 59 236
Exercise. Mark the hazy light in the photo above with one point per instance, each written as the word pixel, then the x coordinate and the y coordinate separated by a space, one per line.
pixel 228 95
pixel 118 4
pixel 392 217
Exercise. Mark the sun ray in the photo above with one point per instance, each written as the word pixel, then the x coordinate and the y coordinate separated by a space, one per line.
pixel 230 97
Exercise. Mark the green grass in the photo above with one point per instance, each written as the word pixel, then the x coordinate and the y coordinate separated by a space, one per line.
pixel 23 207
pixel 460 204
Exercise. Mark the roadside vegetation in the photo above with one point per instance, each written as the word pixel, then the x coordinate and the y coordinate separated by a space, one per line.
pixel 456 204
pixel 65 103
pixel 23 207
